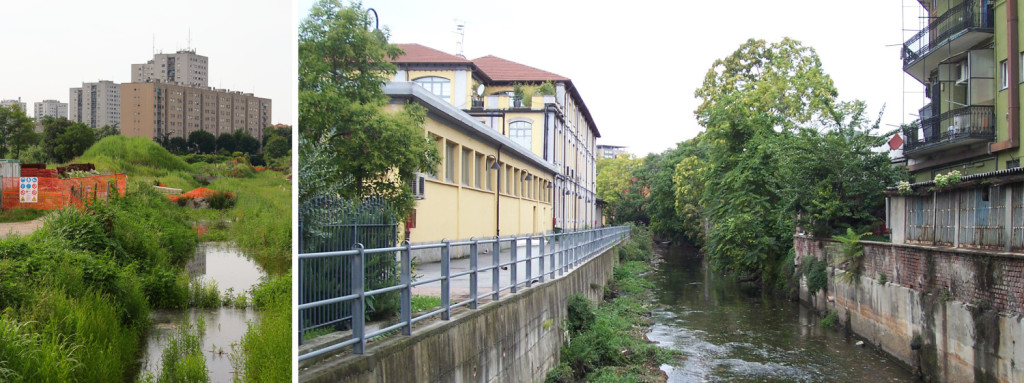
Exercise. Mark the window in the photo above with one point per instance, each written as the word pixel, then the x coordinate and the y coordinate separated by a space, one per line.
pixel 449 162
pixel 467 166
pixel 520 132
pixel 439 86
pixel 479 168
pixel 487 170
pixel 1003 81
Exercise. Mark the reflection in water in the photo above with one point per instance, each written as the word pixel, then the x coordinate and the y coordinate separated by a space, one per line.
pixel 226 265
pixel 733 335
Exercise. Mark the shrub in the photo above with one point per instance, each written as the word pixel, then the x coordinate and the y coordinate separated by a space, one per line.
pixel 815 271
pixel 830 319
pixel 580 314
pixel 221 200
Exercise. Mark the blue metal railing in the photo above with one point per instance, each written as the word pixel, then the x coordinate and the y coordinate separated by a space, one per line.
pixel 556 254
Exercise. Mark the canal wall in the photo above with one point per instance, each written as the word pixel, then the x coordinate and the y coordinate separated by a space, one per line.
pixel 516 339
pixel 952 315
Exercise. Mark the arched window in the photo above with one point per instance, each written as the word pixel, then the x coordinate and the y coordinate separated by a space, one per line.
pixel 521 133
pixel 439 86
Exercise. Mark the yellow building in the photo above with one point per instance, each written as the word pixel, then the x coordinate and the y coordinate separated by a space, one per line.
pixel 537 111
pixel 485 185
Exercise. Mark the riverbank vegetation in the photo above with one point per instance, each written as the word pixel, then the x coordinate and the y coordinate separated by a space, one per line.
pixel 75 295
pixel 606 342
pixel 779 151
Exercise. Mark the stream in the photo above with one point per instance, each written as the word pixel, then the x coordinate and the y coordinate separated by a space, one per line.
pixel 729 334
pixel 225 264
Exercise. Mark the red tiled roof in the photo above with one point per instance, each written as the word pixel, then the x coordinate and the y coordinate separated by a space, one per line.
pixel 415 53
pixel 499 69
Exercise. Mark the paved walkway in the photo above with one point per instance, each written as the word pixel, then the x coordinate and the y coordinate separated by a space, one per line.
pixel 459 286
pixel 20 228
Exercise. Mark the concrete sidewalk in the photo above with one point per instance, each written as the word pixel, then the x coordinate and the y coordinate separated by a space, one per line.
pixel 459 286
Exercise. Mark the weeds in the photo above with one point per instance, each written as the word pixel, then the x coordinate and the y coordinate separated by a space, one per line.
pixel 830 320
pixel 265 349
pixel 424 303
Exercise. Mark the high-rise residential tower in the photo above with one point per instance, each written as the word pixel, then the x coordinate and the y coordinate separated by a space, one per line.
pixel 51 108
pixel 96 103
pixel 183 67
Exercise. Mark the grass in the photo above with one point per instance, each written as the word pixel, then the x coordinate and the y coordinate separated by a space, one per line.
pixel 182 358
pixel 264 354
pixel 830 320
pixel 261 218
pixel 20 214
pixel 607 341
pixel 424 303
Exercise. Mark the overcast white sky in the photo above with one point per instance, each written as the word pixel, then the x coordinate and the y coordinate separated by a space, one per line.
pixel 51 46
pixel 638 63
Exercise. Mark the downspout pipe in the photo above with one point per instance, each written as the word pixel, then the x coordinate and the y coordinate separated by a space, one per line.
pixel 1013 80
pixel 497 192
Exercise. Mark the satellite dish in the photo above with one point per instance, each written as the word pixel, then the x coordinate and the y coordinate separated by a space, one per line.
pixel 480 90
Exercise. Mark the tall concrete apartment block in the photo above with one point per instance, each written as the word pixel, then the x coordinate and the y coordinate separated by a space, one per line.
pixel 96 103
pixel 183 67
pixel 51 108
pixel 22 105
pixel 155 109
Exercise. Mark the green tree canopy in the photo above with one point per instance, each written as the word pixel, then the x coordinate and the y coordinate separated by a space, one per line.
pixel 73 142
pixel 342 67
pixel 202 141
pixel 276 147
pixel 178 145
pixel 16 131
pixel 226 141
pixel 615 180
pixel 106 131
pixel 246 143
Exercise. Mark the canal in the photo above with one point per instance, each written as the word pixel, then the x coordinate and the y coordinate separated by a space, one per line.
pixel 226 265
pixel 729 334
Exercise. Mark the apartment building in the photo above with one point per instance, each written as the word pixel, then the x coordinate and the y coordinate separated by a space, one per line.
pixel 537 111
pixel 967 57
pixel 610 151
pixel 53 108
pixel 22 105
pixel 184 67
pixel 96 103
pixel 156 109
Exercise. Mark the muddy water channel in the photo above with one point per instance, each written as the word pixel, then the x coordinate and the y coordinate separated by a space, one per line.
pixel 225 264
pixel 731 335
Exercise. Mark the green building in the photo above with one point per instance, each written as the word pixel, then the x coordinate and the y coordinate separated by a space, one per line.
pixel 968 58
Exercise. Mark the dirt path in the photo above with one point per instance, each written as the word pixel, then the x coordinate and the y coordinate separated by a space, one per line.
pixel 20 228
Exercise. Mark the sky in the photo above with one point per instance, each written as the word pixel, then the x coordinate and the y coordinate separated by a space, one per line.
pixel 52 46
pixel 638 63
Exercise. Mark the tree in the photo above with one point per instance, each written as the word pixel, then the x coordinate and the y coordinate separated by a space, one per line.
pixel 16 130
pixel 614 181
pixel 106 131
pixel 53 128
pixel 342 67
pixel 284 132
pixel 276 147
pixel 226 141
pixel 178 145
pixel 73 142
pixel 201 141
pixel 245 142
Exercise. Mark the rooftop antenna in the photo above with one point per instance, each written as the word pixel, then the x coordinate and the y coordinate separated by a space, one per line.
pixel 460 31
pixel 189 39
pixel 154 44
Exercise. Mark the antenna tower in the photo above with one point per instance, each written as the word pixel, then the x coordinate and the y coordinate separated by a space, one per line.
pixel 460 33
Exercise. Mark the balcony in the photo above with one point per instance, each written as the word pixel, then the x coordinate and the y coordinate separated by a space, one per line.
pixel 955 128
pixel 958 29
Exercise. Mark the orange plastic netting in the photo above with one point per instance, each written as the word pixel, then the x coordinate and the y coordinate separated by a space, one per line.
pixel 200 192
pixel 56 193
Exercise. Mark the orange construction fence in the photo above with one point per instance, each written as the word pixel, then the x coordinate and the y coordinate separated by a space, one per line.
pixel 56 193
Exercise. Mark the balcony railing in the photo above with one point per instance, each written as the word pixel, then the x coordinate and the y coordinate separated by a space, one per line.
pixel 972 122
pixel 968 15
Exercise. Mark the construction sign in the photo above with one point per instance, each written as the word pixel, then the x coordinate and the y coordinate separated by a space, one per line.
pixel 29 189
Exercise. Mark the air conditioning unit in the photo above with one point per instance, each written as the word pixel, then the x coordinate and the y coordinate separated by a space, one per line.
pixel 965 73
pixel 418 184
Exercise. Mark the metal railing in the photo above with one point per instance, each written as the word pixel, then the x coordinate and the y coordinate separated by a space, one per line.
pixel 952 126
pixel 964 16
pixel 552 255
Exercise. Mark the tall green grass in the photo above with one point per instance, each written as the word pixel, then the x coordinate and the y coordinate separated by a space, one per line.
pixel 261 218
pixel 75 295
pixel 182 360
pixel 265 352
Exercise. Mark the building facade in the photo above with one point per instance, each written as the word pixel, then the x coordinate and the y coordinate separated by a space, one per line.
pixel 485 186
pixel 52 108
pixel 183 67
pixel 22 105
pixel 967 56
pixel 96 104
pixel 536 110
pixel 152 109
pixel 610 151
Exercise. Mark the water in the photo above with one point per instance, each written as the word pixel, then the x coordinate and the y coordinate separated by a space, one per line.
pixel 228 266
pixel 728 334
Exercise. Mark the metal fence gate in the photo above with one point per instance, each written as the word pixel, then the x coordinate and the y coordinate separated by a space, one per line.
pixel 328 224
